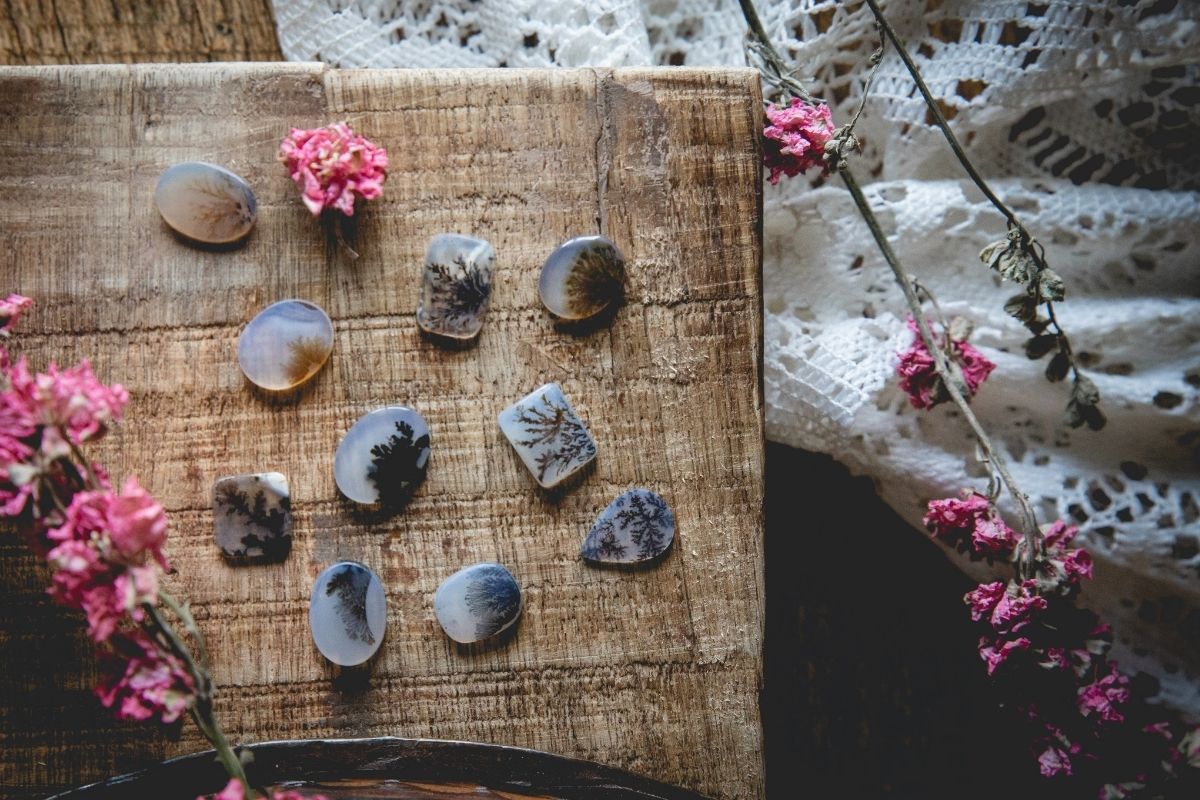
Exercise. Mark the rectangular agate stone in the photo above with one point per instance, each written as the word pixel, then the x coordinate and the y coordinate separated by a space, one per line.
pixel 456 286
pixel 252 517
pixel 548 435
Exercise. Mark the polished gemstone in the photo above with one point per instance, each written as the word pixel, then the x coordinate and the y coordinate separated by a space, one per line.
pixel 582 277
pixel 252 516
pixel 205 202
pixel 477 602
pixel 285 345
pixel 347 613
pixel 548 435
pixel 456 286
pixel 637 526
pixel 383 456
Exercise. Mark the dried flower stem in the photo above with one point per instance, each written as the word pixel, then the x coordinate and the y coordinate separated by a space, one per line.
pixel 1029 527
pixel 775 69
pixel 1034 248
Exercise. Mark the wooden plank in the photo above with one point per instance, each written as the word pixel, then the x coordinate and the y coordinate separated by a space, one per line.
pixel 655 671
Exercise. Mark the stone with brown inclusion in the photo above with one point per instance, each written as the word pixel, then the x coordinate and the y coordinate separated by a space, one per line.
pixel 582 277
pixel 205 202
pixel 285 345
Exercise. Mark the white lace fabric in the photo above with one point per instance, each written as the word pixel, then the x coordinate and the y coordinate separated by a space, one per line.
pixel 1085 117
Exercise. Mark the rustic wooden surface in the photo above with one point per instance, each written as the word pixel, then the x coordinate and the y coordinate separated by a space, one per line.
pixel 655 671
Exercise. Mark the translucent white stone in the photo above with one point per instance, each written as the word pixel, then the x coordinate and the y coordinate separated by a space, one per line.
pixel 637 526
pixel 348 613
pixel 383 456
pixel 285 345
pixel 477 602
pixel 205 202
pixel 252 516
pixel 547 434
pixel 456 286
pixel 582 277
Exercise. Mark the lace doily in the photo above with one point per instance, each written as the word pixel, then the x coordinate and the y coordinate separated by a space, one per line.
pixel 1088 110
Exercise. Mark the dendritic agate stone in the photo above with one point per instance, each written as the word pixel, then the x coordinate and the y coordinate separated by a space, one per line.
pixel 252 516
pixel 383 456
pixel 638 526
pixel 582 277
pixel 347 613
pixel 285 345
pixel 205 202
pixel 548 435
pixel 456 286
pixel 477 602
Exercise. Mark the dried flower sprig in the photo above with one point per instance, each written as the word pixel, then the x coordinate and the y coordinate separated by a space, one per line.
pixel 1020 258
pixel 106 547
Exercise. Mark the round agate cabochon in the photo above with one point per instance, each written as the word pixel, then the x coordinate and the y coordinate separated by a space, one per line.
pixel 285 345
pixel 383 456
pixel 582 277
pixel 348 613
pixel 205 202
pixel 477 602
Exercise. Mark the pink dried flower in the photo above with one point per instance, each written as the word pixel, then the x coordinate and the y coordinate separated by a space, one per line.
pixel 11 309
pixel 1059 534
pixel 332 166
pixel 1103 696
pixel 993 538
pixel 235 791
pixel 983 599
pixel 1016 609
pixel 1054 761
pixel 795 139
pixel 995 654
pixel 145 682
pixel 137 524
pixel 919 379
pixel 950 515
pixel 1077 564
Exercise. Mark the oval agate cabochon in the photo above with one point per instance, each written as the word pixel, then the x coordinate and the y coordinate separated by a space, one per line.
pixel 205 202
pixel 347 613
pixel 581 277
pixel 383 456
pixel 477 602
pixel 285 345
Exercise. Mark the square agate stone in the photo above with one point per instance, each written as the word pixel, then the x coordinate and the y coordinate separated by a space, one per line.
pixel 548 436
pixel 252 517
pixel 456 286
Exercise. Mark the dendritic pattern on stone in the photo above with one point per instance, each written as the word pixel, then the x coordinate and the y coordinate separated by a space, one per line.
pixel 638 526
pixel 348 613
pixel 206 203
pixel 456 286
pixel 582 277
pixel 285 345
pixel 477 602
pixel 549 437
pixel 383 457
pixel 252 516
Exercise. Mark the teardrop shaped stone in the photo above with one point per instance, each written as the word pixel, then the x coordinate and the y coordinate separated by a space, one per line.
pixel 477 602
pixel 638 526
pixel 456 286
pixel 205 202
pixel 582 277
pixel 347 613
pixel 383 456
pixel 285 344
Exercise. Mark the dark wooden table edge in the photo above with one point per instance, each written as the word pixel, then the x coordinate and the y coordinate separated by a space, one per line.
pixel 295 762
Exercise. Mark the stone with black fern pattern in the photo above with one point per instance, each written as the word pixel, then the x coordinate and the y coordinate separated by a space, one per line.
pixel 347 613
pixel 637 527
pixel 252 517
pixel 456 286
pixel 548 435
pixel 383 457
pixel 477 602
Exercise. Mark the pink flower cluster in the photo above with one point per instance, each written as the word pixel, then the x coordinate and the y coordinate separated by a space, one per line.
pixel 102 544
pixel 333 166
pixel 920 381
pixel 11 309
pixel 970 523
pixel 796 137
pixel 235 791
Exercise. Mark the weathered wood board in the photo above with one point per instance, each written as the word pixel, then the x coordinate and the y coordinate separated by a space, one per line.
pixel 656 671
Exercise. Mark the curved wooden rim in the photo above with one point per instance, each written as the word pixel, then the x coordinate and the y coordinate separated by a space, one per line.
pixel 510 769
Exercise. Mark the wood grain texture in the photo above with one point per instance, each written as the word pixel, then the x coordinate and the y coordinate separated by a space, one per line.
pixel 654 671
